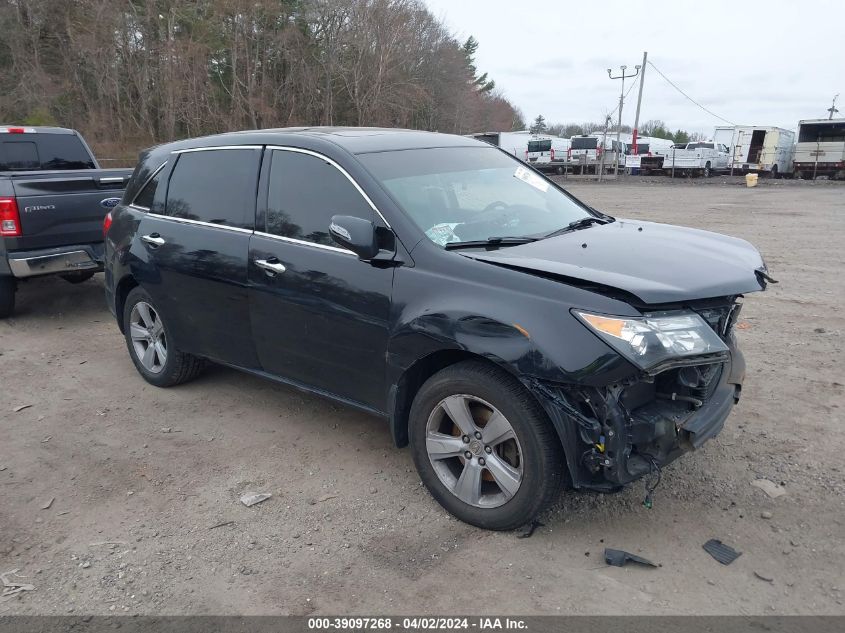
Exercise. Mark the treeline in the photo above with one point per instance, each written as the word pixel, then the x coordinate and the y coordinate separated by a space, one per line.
pixel 653 127
pixel 130 73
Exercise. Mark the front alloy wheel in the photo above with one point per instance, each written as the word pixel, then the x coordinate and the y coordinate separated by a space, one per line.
pixel 474 451
pixel 483 447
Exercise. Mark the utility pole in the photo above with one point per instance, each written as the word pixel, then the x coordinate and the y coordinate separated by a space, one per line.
pixel 832 109
pixel 639 103
pixel 623 76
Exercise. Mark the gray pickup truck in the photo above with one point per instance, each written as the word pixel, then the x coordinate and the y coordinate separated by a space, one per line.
pixel 53 200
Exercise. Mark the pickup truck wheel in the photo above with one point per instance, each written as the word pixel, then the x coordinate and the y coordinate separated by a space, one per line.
pixel 78 278
pixel 8 285
pixel 153 353
pixel 483 447
pixel 773 174
pixel 707 170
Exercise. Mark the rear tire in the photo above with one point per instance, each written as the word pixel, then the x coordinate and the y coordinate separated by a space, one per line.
pixel 707 170
pixel 8 285
pixel 773 174
pixel 515 478
pixel 78 277
pixel 154 354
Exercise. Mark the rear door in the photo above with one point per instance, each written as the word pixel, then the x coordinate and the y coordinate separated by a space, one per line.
pixel 319 315
pixel 194 247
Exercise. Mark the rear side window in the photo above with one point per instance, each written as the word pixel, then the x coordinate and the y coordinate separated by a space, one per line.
pixel 305 192
pixel 215 186
pixel 43 151
pixel 146 196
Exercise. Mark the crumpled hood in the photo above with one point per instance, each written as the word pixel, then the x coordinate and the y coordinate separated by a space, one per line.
pixel 658 263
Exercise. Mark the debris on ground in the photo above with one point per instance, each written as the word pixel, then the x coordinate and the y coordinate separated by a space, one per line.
pixel 49 502
pixel 725 554
pixel 619 557
pixel 21 407
pixel 765 514
pixel 531 528
pixel 252 498
pixel 225 523
pixel 769 487
pixel 12 588
pixel 326 498
pixel 763 576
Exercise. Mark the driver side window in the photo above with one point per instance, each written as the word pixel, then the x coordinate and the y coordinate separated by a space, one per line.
pixel 305 191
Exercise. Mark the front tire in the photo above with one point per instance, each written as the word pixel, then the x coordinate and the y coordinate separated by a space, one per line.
pixel 8 285
pixel 483 447
pixel 152 351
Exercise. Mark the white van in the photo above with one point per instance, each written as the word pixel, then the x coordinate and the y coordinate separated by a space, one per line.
pixel 548 153
pixel 762 149
pixel 589 150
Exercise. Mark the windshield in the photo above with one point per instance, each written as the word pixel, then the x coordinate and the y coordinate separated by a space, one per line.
pixel 466 194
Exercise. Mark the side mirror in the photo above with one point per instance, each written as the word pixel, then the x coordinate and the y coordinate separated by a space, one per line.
pixel 356 234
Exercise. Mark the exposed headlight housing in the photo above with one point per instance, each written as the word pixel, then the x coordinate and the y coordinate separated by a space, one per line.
pixel 652 340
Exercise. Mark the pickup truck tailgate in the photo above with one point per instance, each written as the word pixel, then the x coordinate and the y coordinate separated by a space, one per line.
pixel 58 208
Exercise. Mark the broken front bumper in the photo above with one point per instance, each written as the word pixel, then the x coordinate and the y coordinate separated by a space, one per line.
pixel 616 434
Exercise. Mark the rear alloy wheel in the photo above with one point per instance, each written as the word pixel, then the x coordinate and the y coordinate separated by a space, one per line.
pixel 152 351
pixel 8 285
pixel 483 447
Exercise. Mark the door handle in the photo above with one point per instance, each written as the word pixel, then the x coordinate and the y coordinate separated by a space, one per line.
pixel 153 239
pixel 272 267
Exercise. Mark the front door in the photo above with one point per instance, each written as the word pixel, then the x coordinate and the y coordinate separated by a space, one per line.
pixel 194 252
pixel 319 315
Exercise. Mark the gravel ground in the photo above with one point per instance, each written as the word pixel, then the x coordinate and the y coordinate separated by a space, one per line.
pixel 145 482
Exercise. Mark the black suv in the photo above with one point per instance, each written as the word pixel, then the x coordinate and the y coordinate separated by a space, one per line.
pixel 516 338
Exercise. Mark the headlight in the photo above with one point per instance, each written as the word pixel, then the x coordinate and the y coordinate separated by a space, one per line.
pixel 651 340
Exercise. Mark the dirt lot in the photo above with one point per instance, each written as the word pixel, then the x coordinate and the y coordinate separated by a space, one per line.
pixel 139 475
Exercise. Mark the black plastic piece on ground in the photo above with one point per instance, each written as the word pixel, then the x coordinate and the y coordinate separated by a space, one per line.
pixel 618 558
pixel 531 527
pixel 725 554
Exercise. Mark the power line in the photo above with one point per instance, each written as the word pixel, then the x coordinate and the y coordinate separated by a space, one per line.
pixel 669 81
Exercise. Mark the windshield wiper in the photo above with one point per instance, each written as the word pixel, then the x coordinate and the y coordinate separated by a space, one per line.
pixel 583 223
pixel 490 241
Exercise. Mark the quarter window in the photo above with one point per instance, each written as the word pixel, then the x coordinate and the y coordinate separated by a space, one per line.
pixel 305 192
pixel 145 198
pixel 215 186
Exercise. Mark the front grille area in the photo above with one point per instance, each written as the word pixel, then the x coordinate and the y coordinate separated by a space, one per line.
pixel 721 318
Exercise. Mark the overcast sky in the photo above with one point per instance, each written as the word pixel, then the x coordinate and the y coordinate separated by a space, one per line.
pixel 754 63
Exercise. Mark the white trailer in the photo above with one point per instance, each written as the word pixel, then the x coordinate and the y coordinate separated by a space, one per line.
pixel 515 143
pixel 760 149
pixel 821 148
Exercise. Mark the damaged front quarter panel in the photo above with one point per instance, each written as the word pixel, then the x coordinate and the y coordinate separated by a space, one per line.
pixel 619 432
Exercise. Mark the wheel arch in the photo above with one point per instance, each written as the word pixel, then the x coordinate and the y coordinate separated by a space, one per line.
pixel 405 389
pixel 121 291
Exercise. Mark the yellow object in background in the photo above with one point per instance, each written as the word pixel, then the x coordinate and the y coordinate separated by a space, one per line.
pixel 751 180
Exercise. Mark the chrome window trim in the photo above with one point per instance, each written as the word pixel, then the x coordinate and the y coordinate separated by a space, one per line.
pixel 292 240
pixel 216 147
pixel 226 227
pixel 142 187
pixel 331 162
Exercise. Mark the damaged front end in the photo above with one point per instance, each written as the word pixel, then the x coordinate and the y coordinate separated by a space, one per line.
pixel 619 432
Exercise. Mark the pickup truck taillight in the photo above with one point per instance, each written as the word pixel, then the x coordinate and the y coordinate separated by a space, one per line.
pixel 10 219
pixel 106 224
pixel 552 157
